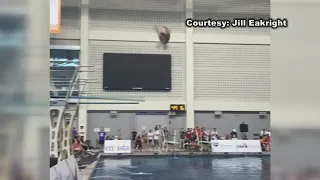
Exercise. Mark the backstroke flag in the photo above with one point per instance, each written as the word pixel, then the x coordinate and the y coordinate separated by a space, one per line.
pixel 55 16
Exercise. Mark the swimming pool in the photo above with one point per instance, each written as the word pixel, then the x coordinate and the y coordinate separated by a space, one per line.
pixel 184 168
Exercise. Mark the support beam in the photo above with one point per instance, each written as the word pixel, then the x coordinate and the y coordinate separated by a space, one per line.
pixel 189 68
pixel 84 61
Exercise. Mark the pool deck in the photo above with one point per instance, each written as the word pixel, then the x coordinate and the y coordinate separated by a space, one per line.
pixel 87 171
pixel 181 153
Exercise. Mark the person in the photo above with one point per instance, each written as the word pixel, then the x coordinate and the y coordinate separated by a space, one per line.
pixel 101 137
pixel 182 138
pixel 265 142
pixel 263 132
pixel 166 133
pixel 74 132
pixel 150 137
pixel 234 134
pixel 138 144
pixel 156 136
pixel 134 134
pixel 77 148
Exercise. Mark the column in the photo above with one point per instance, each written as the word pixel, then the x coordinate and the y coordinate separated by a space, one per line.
pixel 189 68
pixel 84 61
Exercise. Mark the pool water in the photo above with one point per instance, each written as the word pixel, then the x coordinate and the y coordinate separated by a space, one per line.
pixel 183 168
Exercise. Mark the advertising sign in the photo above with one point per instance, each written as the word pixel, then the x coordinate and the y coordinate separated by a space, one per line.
pixel 117 146
pixel 248 146
pixel 241 146
pixel 223 146
pixel 55 16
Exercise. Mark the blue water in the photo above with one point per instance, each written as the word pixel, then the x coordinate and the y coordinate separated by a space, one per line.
pixel 184 168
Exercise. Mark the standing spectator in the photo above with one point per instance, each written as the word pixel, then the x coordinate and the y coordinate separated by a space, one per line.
pixel 74 132
pixel 156 136
pixel 150 137
pixel 166 133
pixel 182 137
pixel 134 134
pixel 188 135
pixel 101 138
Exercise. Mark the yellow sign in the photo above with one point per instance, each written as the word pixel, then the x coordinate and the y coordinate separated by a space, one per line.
pixel 177 107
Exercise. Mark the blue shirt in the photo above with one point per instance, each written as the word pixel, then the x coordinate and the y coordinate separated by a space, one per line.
pixel 74 132
pixel 102 135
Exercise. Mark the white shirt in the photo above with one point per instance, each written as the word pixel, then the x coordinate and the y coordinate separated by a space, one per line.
pixel 150 135
pixel 156 135
pixel 214 133
pixel 269 133
pixel 263 133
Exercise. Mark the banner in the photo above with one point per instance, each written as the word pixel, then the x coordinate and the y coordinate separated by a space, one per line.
pixel 117 146
pixel 229 146
pixel 55 16
pixel 223 146
pixel 248 146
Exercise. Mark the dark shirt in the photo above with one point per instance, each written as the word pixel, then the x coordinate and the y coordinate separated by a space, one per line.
pixel 134 134
pixel 234 134
pixel 182 134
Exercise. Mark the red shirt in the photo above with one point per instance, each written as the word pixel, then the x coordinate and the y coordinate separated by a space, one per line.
pixel 188 134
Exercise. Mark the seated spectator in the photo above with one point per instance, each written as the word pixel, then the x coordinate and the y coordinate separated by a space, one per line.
pixel 263 133
pixel 138 144
pixel 77 148
pixel 265 143
pixel 134 134
pixel 234 134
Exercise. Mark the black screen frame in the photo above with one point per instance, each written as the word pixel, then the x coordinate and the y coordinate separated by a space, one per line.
pixel 145 88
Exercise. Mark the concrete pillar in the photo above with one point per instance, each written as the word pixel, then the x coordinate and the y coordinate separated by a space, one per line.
pixel 189 68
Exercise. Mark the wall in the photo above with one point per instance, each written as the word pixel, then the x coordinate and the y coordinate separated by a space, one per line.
pixel 231 120
pixel 213 69
pixel 129 120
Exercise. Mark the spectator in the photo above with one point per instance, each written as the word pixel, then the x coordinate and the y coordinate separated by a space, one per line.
pixel 74 132
pixel 204 134
pixel 234 134
pixel 265 143
pixel 156 136
pixel 138 144
pixel 188 135
pixel 134 134
pixel 182 137
pixel 77 148
pixel 166 133
pixel 101 138
pixel 263 133
pixel 150 137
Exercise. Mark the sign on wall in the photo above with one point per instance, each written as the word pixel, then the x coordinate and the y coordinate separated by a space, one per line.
pixel 241 146
pixel 177 107
pixel 117 146
pixel 55 16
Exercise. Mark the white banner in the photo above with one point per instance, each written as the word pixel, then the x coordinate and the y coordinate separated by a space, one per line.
pixel 55 16
pixel 223 146
pixel 248 146
pixel 117 146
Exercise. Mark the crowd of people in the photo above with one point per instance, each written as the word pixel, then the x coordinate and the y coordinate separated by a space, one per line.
pixel 191 138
